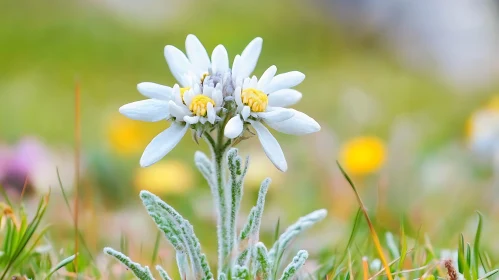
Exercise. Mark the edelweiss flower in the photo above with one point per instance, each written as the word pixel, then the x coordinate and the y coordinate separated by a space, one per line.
pixel 204 84
pixel 185 107
pixel 264 101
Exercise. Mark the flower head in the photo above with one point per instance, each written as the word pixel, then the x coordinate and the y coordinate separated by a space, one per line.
pixel 265 100
pixel 363 155
pixel 208 92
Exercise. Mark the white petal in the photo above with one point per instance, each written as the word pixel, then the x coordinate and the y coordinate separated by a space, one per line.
pixel 236 67
pixel 149 110
pixel 299 124
pixel 191 119
pixel 196 89
pixel 178 111
pixel 267 76
pixel 246 82
pixel 285 80
pixel 270 146
pixel 163 143
pixel 155 91
pixel 178 63
pixel 284 97
pixel 218 97
pixel 277 115
pixel 234 127
pixel 245 113
pixel 220 60
pixel 210 113
pixel 176 94
pixel 188 95
pixel 237 96
pixel 249 57
pixel 197 54
pixel 253 82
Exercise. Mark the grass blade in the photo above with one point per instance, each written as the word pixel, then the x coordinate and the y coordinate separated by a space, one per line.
pixel 403 247
pixel 60 265
pixel 476 246
pixel 374 235
pixel 486 276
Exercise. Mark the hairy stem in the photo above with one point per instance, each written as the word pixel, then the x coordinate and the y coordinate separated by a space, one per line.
pixel 218 149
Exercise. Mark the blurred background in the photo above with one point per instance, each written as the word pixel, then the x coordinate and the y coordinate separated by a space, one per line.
pixel 406 92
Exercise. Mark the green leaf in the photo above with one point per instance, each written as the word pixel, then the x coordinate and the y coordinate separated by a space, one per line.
pixel 460 255
pixel 162 272
pixel 61 264
pixel 476 246
pixel 297 262
pixel 143 273
pixel 486 276
pixel 403 247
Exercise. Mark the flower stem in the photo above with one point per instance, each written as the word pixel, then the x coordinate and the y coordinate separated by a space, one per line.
pixel 218 149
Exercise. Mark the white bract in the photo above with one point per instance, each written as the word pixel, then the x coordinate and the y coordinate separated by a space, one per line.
pixel 265 100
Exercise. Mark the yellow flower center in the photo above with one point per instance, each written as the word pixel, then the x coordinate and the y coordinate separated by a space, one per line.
pixel 257 100
pixel 199 105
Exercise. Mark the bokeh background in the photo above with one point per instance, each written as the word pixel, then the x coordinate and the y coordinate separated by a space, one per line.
pixel 406 92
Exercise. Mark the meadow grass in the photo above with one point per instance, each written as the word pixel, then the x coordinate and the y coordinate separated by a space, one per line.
pixel 28 252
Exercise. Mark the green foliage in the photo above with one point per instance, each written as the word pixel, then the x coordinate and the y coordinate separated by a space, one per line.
pixel 296 264
pixel 143 273
pixel 22 242
pixel 249 258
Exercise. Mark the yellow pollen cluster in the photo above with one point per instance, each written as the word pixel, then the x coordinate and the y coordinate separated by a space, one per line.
pixel 257 100
pixel 199 105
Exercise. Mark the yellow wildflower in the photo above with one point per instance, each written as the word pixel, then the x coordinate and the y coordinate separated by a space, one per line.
pixel 126 136
pixel 164 177
pixel 363 155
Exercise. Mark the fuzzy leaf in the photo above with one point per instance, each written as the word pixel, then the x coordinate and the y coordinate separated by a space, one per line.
pixel 241 272
pixel 183 265
pixel 143 273
pixel 162 273
pixel 249 224
pixel 292 231
pixel 205 166
pixel 174 225
pixel 295 264
pixel 262 260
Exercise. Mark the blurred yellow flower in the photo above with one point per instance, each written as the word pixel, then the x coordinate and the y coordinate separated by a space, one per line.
pixel 363 155
pixel 127 136
pixel 260 168
pixel 165 177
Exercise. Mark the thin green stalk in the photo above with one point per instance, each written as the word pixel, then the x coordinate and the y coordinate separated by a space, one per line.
pixel 223 213
pixel 218 149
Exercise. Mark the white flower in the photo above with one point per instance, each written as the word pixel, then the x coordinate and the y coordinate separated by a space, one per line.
pixel 194 67
pixel 265 100
pixel 183 106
